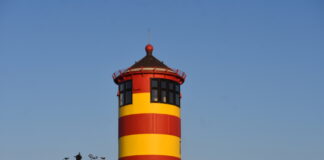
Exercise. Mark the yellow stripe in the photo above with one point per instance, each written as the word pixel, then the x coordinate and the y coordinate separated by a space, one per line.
pixel 142 104
pixel 149 144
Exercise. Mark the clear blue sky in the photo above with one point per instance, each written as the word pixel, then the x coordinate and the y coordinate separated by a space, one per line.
pixel 255 86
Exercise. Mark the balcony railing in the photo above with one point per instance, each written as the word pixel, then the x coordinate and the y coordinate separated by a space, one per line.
pixel 159 70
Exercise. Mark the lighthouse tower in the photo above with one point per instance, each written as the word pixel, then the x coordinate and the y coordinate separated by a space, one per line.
pixel 149 110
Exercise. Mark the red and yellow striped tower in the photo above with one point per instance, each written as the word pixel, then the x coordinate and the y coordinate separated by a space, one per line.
pixel 149 110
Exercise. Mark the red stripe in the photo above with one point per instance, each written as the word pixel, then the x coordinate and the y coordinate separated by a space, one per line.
pixel 149 157
pixel 149 123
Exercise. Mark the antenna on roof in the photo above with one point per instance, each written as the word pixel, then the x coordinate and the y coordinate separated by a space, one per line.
pixel 149 47
pixel 148 36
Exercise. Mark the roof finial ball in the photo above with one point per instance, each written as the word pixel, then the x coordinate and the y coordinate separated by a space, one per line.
pixel 149 49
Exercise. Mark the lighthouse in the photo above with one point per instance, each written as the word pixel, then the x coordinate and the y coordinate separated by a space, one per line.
pixel 149 99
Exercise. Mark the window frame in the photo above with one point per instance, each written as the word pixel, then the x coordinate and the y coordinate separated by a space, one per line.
pixel 167 89
pixel 122 91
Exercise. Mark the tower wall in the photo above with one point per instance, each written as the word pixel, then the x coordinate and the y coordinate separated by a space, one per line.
pixel 148 130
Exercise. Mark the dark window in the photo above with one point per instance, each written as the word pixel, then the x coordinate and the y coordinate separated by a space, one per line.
pixel 177 88
pixel 128 98
pixel 121 99
pixel 163 84
pixel 177 100
pixel 125 93
pixel 165 91
pixel 121 87
pixel 171 86
pixel 171 98
pixel 164 96
pixel 128 85
pixel 154 83
pixel 154 95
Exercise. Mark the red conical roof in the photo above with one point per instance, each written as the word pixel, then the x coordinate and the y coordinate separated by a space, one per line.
pixel 149 60
pixel 148 65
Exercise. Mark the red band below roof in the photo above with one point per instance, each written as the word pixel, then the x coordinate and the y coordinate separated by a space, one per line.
pixel 120 76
